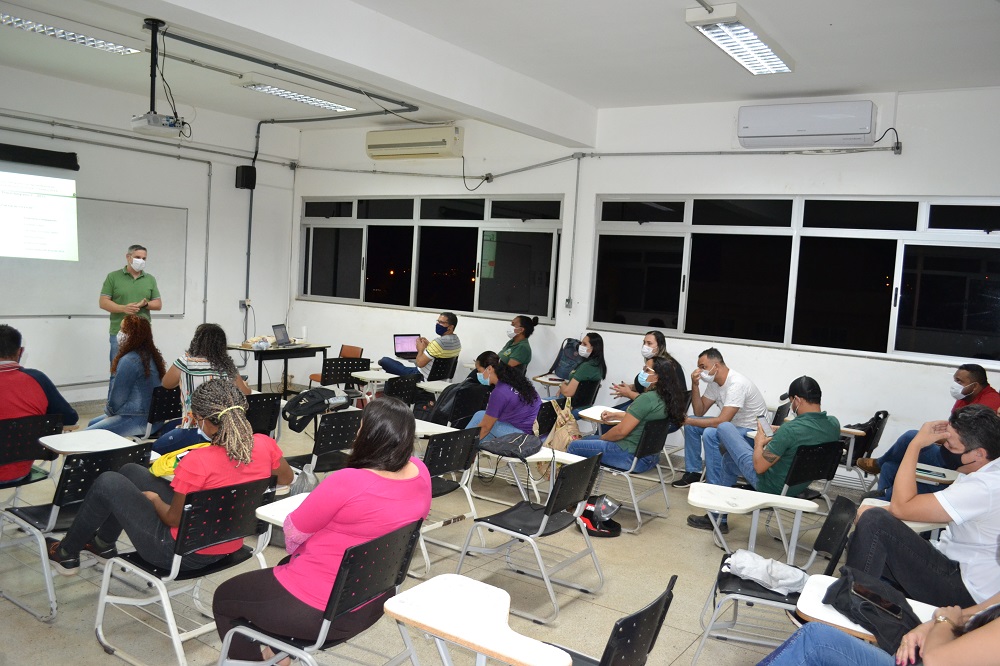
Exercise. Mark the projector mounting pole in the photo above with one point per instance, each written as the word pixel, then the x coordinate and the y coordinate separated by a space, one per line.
pixel 154 26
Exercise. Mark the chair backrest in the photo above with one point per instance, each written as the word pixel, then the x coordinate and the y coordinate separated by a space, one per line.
pixel 80 470
pixel 470 399
pixel 215 516
pixel 451 451
pixel 19 437
pixel 814 462
pixel 339 370
pixel 350 351
pixel 263 412
pixel 654 436
pixel 633 636
pixel 832 537
pixel 873 434
pixel 372 569
pixel 546 418
pixel 573 485
pixel 336 432
pixel 781 413
pixel 165 405
pixel 404 388
pixel 567 358
pixel 442 368
pixel 586 394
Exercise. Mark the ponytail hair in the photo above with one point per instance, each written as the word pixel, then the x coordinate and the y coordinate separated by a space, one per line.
pixel 528 324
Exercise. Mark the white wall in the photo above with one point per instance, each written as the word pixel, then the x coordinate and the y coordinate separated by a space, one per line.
pixel 73 352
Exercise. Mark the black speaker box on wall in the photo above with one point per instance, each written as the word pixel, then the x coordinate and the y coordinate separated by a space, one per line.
pixel 246 177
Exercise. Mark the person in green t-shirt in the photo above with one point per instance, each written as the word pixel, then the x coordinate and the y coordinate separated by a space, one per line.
pixel 592 368
pixel 517 351
pixel 130 290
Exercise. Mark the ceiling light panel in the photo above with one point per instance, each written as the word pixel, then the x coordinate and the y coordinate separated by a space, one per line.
pixel 293 96
pixel 733 31
pixel 65 35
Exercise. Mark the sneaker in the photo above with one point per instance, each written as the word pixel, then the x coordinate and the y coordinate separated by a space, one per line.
pixel 687 479
pixel 65 564
pixel 704 523
pixel 103 554
pixel 868 465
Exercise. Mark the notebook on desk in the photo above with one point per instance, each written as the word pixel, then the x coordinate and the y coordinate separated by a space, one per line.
pixel 281 339
pixel 405 345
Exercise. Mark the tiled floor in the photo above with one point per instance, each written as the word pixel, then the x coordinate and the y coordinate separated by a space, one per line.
pixel 636 568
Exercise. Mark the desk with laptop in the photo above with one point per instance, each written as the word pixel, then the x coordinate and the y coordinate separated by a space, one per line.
pixel 283 349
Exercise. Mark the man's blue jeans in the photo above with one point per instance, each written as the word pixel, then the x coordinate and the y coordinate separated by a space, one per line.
pixel 818 644
pixel 114 349
pixel 722 470
pixel 937 456
pixel 694 437
pixel 613 456
pixel 394 367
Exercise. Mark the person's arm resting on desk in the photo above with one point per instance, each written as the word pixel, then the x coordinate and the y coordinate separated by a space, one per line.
pixel 906 503
pixel 622 430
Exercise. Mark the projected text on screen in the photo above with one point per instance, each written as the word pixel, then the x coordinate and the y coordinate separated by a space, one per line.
pixel 38 217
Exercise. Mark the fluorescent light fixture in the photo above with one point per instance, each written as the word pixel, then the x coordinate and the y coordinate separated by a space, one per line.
pixel 258 83
pixel 65 35
pixel 732 30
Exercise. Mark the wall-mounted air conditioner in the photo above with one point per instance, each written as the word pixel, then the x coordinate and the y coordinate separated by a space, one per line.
pixel 419 143
pixel 818 124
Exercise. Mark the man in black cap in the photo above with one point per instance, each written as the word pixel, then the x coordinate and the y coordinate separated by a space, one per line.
pixel 765 465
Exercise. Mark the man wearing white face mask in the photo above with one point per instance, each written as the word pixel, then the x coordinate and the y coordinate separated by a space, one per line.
pixel 969 386
pixel 740 402
pixel 130 290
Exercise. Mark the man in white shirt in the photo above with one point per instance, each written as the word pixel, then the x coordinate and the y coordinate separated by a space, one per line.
pixel 961 568
pixel 740 403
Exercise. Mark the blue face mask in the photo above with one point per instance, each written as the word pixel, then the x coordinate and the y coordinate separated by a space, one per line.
pixel 644 379
pixel 440 329
pixel 482 380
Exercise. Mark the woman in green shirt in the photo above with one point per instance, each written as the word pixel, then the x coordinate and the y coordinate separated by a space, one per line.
pixel 592 368
pixel 517 351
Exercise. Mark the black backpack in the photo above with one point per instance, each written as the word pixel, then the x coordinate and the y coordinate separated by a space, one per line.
pixel 303 408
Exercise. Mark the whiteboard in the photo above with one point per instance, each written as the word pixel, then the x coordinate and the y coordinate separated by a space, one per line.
pixel 34 287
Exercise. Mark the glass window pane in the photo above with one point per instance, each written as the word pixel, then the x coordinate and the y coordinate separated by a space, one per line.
pixel 525 210
pixel 743 212
pixel 328 208
pixel 515 272
pixel 843 298
pixel 452 209
pixel 388 265
pixel 978 218
pixel 642 211
pixel 385 209
pixel 638 280
pixel 950 302
pixel 738 286
pixel 335 258
pixel 892 215
pixel 446 273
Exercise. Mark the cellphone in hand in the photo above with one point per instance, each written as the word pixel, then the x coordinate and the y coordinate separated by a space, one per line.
pixel 871 596
pixel 765 426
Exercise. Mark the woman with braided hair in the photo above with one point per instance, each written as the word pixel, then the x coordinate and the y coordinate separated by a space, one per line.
pixel 205 359
pixel 149 508
pixel 513 405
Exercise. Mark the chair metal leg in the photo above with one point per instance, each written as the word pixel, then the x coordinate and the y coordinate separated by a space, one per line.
pixel 47 572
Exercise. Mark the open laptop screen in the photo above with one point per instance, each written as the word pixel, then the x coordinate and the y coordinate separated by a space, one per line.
pixel 405 345
pixel 281 335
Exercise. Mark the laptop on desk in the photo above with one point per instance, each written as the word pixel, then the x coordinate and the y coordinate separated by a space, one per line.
pixel 281 339
pixel 405 345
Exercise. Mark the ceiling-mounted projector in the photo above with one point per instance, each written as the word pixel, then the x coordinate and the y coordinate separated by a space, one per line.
pixel 158 124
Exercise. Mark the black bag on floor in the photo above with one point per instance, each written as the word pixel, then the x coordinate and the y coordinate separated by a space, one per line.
pixel 300 410
pixel 874 604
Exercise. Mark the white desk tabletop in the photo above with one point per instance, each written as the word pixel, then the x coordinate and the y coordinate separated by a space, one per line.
pixel 434 387
pixel 428 428
pixel 276 512
pixel 593 414
pixel 373 375
pixel 548 380
pixel 474 615
pixel 811 606
pixel 85 441
pixel 737 500
pixel 915 525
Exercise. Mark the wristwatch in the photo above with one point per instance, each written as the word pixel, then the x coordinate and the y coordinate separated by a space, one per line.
pixel 945 618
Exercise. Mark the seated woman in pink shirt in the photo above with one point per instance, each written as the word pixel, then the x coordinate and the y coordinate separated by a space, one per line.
pixel 382 489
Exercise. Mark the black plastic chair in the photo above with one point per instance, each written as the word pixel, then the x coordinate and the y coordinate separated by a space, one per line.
pixel 443 369
pixel 346 351
pixel 468 401
pixel 546 418
pixel 78 473
pixel 404 388
pixel 334 439
pixel 452 454
pixel 525 522
pixel 164 406
pixel 730 589
pixel 338 371
pixel 210 517
pixel 586 394
pixel 369 573
pixel 816 462
pixel 654 435
pixel 854 449
pixel 264 412
pixel 19 442
pixel 633 636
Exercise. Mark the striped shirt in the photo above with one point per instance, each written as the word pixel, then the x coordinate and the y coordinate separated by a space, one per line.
pixel 447 346
pixel 195 371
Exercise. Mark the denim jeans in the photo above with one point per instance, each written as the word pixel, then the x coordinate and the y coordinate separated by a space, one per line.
pixel 817 644
pixel 114 349
pixel 613 456
pixel 394 367
pixel 126 426
pixel 938 456
pixel 499 429
pixel 885 547
pixel 694 437
pixel 115 503
pixel 722 470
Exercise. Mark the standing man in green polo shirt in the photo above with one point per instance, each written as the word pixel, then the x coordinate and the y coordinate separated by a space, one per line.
pixel 130 290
